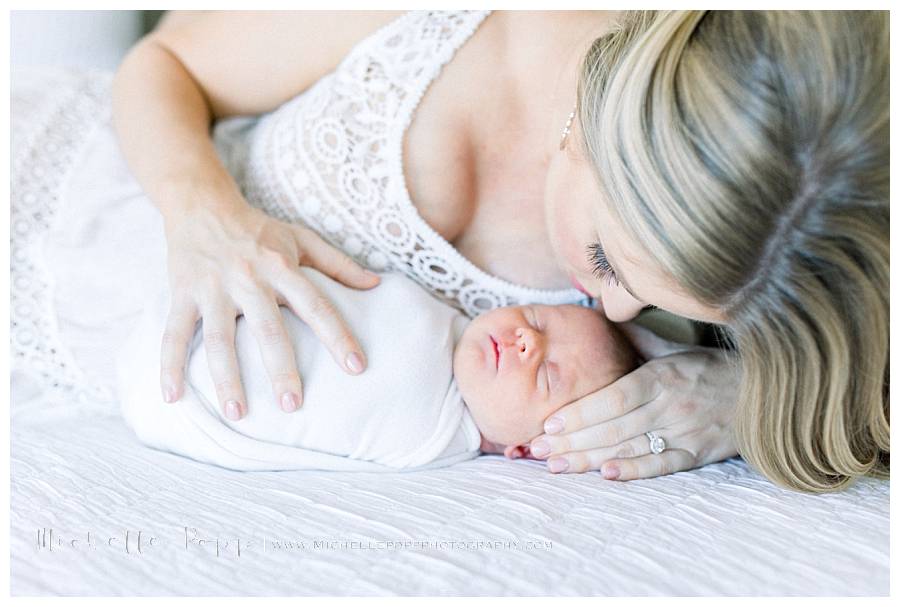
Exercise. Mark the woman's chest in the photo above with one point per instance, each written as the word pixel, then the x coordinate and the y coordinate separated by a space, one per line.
pixel 374 152
pixel 475 178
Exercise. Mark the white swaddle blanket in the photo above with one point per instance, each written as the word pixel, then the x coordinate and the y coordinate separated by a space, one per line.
pixel 403 412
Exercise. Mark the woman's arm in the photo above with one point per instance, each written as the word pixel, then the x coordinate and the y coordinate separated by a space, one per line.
pixel 203 67
pixel 170 19
pixel 226 258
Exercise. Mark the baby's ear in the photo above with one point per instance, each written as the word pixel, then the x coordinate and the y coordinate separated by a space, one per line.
pixel 517 451
pixel 513 452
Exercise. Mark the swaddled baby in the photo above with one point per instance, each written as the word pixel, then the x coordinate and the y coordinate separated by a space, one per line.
pixel 438 387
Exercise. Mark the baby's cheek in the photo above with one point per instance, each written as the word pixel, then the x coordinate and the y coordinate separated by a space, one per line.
pixel 511 422
pixel 527 422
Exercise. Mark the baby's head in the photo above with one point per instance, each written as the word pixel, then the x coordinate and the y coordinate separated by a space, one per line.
pixel 517 365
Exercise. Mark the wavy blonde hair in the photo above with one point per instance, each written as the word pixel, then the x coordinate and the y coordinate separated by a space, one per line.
pixel 748 152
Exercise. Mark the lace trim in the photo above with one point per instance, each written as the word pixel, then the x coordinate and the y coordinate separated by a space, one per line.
pixel 42 164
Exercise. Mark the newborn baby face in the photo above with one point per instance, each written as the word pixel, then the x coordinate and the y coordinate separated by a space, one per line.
pixel 517 365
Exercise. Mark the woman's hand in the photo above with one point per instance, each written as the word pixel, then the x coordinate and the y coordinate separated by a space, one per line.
pixel 686 394
pixel 241 261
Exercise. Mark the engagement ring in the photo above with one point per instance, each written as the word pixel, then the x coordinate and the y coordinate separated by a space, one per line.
pixel 657 444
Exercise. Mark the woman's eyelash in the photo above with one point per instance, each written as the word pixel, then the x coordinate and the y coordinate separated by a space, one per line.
pixel 601 268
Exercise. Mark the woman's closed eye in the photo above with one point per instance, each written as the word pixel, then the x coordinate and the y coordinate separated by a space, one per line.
pixel 601 268
pixel 604 271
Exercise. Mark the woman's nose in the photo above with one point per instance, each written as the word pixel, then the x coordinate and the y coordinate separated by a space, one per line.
pixel 618 304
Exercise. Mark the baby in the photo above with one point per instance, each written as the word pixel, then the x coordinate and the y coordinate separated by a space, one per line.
pixel 516 365
pixel 438 388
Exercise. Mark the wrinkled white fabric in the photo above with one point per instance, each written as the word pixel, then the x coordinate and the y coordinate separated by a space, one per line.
pixel 403 412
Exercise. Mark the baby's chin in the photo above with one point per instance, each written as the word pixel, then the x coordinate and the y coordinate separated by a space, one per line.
pixel 504 435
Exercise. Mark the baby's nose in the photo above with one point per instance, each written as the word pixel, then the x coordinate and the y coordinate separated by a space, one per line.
pixel 528 341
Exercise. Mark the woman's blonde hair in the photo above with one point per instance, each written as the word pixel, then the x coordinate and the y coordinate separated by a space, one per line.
pixel 748 152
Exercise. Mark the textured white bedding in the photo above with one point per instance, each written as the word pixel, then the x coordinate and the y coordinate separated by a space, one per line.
pixel 76 468
pixel 718 530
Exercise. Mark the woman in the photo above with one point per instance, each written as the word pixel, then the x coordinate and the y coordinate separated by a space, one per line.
pixel 729 167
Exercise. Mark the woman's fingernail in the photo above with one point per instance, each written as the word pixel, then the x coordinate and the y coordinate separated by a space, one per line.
pixel 290 402
pixel 169 389
pixel 553 425
pixel 232 410
pixel 354 362
pixel 558 464
pixel 611 472
pixel 540 448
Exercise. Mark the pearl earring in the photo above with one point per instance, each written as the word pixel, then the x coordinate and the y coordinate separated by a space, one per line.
pixel 567 129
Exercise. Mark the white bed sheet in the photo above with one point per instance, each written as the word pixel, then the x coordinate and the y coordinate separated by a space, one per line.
pixel 76 468
pixel 721 529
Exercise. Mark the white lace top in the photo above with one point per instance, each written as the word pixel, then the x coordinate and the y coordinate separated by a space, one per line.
pixel 331 158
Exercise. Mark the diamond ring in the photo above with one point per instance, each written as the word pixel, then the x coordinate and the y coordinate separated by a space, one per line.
pixel 657 444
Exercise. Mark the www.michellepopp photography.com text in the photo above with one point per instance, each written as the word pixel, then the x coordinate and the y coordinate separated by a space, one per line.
pixel 137 542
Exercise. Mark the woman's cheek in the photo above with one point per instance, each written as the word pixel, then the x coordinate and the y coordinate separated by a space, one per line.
pixel 566 242
pixel 558 212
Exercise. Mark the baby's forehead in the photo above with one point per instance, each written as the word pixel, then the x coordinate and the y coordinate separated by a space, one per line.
pixel 574 316
pixel 587 347
pixel 580 327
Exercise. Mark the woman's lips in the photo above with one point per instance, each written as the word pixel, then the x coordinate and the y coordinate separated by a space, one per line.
pixel 579 286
